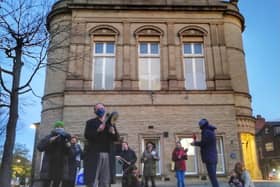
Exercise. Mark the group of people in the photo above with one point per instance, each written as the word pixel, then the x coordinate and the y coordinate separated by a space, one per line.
pixel 62 156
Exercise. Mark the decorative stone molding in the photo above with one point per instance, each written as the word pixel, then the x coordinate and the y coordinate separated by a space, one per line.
pixel 104 30
pixel 192 31
pixel 148 30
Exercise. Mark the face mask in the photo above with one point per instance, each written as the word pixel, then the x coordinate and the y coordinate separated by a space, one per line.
pixel 100 112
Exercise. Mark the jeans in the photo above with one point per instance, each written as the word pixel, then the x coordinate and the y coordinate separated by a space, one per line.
pixel 180 175
pixel 211 169
pixel 147 181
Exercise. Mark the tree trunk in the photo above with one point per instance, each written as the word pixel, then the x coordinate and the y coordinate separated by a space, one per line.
pixel 6 166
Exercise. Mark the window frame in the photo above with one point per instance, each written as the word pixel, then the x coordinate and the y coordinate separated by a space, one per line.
pixel 193 57
pixel 148 59
pixel 104 56
pixel 220 141
pixel 196 172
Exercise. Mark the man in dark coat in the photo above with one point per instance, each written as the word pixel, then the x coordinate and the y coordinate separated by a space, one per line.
pixel 208 149
pixel 99 156
pixel 55 165
pixel 127 158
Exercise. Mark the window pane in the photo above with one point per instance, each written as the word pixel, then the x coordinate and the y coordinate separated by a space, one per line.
pixel 98 69
pixel 109 72
pixel 154 48
pixel 143 48
pixel 187 48
pixel 197 48
pixel 191 162
pixel 221 164
pixel 119 171
pixel 99 48
pixel 110 48
pixel 200 74
pixel 189 82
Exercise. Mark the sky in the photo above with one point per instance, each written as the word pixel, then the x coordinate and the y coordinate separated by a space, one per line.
pixel 261 44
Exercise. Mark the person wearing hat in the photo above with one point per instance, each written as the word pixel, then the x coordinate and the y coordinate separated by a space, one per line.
pixel 208 149
pixel 149 158
pixel 56 148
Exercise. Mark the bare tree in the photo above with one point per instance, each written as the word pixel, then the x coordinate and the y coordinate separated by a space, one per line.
pixel 24 41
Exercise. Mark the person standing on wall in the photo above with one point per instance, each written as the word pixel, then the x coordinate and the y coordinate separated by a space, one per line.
pixel 208 149
pixel 179 156
pixel 99 158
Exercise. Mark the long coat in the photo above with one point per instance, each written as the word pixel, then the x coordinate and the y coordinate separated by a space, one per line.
pixel 55 165
pixel 149 163
pixel 207 145
pixel 91 156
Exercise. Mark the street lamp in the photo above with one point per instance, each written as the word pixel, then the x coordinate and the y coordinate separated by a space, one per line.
pixel 36 127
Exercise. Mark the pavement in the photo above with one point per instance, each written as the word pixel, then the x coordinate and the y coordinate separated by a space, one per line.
pixel 261 183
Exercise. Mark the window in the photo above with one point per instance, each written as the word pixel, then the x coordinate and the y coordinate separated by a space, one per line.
pixel 269 147
pixel 149 66
pixel 221 160
pixel 191 163
pixel 194 68
pixel 103 65
pixel 156 142
pixel 276 131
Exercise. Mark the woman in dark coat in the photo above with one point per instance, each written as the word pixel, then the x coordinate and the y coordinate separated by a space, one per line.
pixel 55 165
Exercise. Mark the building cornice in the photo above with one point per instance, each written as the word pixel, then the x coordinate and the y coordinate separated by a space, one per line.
pixel 66 7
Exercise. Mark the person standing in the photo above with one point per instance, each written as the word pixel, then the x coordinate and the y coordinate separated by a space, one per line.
pixel 74 160
pixel 55 165
pixel 149 158
pixel 99 158
pixel 179 156
pixel 208 149
pixel 127 158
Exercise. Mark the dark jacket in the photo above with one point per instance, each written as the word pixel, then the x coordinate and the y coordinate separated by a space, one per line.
pixel 129 156
pixel 97 141
pixel 207 145
pixel 55 165
pixel 179 156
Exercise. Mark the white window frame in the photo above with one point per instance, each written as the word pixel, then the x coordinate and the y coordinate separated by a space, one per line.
pixel 195 156
pixel 194 56
pixel 220 142
pixel 148 56
pixel 104 56
pixel 143 147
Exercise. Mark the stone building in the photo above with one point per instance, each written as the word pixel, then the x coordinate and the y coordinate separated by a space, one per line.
pixel 163 65
pixel 268 144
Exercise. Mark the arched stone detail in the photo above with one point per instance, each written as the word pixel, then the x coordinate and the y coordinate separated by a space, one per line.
pixel 148 30
pixel 192 31
pixel 104 30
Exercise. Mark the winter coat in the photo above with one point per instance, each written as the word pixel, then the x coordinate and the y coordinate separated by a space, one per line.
pixel 129 156
pixel 149 161
pixel 91 155
pixel 207 145
pixel 179 156
pixel 55 165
